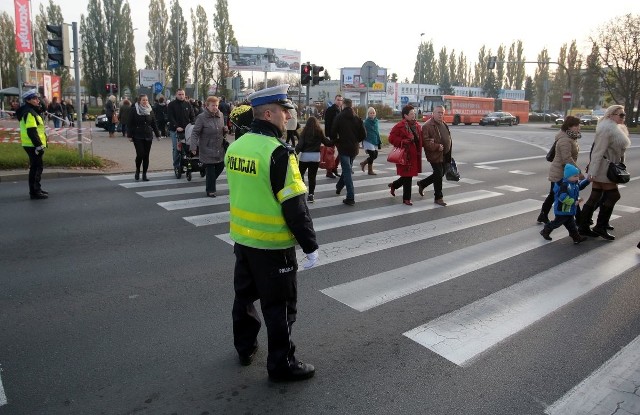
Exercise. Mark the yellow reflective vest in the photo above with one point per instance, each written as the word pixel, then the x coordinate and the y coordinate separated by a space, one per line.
pixel 30 121
pixel 256 218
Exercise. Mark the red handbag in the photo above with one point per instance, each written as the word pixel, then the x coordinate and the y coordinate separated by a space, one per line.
pixel 399 155
pixel 327 158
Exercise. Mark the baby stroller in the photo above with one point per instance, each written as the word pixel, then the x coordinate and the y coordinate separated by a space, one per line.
pixel 189 163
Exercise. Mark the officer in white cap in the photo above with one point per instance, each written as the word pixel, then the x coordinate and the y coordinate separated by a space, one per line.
pixel 268 216
pixel 34 140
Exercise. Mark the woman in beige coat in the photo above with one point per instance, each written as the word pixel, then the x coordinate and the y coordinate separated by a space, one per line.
pixel 609 145
pixel 567 149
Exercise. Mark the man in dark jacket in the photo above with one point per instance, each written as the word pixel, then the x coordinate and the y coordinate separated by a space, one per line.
pixel 329 116
pixel 160 110
pixel 180 114
pixel 347 132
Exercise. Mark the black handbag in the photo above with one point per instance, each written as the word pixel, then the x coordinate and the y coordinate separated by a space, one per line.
pixel 451 172
pixel 617 172
pixel 552 153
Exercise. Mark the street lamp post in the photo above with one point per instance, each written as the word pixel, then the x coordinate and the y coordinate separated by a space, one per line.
pixel 420 71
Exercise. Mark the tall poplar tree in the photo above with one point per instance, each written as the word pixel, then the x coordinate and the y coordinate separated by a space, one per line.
pixel 203 59
pixel 10 56
pixel 179 52
pixel 40 39
pixel 591 85
pixel 224 38
pixel 94 54
pixel 157 52
pixel 541 81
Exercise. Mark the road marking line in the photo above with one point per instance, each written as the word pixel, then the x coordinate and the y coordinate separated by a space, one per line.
pixel 512 188
pixel 485 167
pixel 462 335
pixel 522 172
pixel 132 185
pixel 610 389
pixel 367 244
pixel 3 396
pixel 375 290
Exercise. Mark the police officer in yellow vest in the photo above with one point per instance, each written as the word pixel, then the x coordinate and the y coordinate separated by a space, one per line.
pixel 268 215
pixel 34 140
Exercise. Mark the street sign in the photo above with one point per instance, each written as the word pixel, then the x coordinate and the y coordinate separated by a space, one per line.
pixel 368 73
pixel 404 100
pixel 157 88
pixel 566 96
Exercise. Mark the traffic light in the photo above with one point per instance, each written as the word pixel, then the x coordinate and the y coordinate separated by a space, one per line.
pixel 316 69
pixel 59 52
pixel 491 63
pixel 111 88
pixel 305 74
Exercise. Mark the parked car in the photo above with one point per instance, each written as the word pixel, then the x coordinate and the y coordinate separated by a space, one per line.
pixel 559 120
pixel 101 122
pixel 497 118
pixel 589 119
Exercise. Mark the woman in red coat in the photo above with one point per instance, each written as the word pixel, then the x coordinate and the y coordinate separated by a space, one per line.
pixel 407 134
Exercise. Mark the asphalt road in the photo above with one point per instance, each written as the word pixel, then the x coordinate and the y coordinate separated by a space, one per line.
pixel 116 297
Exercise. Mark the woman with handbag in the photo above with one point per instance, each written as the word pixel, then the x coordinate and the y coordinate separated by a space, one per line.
pixel 609 145
pixel 566 152
pixel 406 136
pixel 309 149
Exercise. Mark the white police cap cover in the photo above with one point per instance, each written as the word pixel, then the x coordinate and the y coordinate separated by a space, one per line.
pixel 30 94
pixel 273 95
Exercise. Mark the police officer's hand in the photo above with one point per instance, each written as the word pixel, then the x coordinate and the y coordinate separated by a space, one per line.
pixel 39 150
pixel 311 259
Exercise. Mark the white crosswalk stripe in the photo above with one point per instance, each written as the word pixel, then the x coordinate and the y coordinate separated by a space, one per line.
pixel 464 335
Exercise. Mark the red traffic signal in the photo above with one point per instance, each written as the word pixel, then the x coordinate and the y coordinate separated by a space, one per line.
pixel 111 88
pixel 305 74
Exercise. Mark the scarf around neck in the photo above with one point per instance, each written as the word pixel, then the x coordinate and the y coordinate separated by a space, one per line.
pixel 574 134
pixel 143 110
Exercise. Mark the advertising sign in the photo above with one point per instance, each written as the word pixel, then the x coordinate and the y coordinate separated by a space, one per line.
pixel 258 59
pixel 23 26
pixel 351 80
pixel 148 77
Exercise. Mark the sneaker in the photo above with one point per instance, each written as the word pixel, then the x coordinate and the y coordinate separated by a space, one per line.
pixel 299 371
pixel 310 198
pixel 349 202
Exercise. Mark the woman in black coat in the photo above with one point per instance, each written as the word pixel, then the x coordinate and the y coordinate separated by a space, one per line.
pixel 309 149
pixel 141 128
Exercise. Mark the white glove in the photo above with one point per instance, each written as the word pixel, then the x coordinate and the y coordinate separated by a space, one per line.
pixel 311 259
pixel 39 150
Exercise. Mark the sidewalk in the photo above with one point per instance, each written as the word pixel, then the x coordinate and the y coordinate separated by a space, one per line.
pixel 118 152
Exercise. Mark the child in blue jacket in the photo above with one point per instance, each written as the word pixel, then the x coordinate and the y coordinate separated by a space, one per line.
pixel 565 204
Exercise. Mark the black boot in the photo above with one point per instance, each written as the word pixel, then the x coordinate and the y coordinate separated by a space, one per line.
pixel 585 221
pixel 577 238
pixel 546 232
pixel 601 224
pixel 543 217
pixel 144 177
pixel 137 175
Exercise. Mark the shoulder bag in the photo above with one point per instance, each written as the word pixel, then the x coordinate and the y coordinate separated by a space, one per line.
pixel 398 155
pixel 617 172
pixel 552 153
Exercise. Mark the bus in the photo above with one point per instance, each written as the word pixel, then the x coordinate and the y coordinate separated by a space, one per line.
pixel 519 109
pixel 470 110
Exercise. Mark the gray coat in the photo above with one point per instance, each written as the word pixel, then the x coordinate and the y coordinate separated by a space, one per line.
pixel 207 135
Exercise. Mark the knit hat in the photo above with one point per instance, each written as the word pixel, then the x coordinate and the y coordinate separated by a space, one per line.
pixel 570 170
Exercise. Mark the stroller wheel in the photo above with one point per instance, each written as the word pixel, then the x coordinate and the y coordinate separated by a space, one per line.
pixel 188 176
pixel 203 173
pixel 178 173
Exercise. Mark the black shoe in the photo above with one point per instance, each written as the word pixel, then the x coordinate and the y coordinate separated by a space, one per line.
pixel 310 198
pixel 137 176
pixel 421 188
pixel 602 232
pixel 38 195
pixel 586 231
pixel 543 218
pixel 246 360
pixel 299 371
pixel 577 238
pixel 144 178
pixel 349 202
pixel 331 175
pixel 546 233
pixel 44 192
pixel 608 227
pixel 338 191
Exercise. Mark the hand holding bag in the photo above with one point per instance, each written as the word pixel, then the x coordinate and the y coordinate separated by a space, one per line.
pixel 399 155
pixel 327 158
pixel 451 171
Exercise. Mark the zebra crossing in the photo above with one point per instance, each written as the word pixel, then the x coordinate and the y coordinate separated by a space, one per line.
pixel 466 334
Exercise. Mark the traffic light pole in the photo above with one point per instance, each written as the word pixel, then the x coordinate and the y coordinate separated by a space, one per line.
pixel 76 60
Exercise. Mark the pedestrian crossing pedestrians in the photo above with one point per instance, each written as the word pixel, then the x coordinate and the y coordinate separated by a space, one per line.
pixel 462 336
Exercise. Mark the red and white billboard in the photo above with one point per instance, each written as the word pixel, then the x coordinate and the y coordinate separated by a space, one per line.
pixel 24 42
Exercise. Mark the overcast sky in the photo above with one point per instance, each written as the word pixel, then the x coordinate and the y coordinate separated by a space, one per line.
pixel 339 34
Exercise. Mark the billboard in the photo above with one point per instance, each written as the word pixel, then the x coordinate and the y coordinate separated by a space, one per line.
pixel 148 77
pixel 256 59
pixel 351 80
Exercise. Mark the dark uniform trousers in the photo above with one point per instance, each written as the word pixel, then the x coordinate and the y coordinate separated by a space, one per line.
pixel 35 169
pixel 270 276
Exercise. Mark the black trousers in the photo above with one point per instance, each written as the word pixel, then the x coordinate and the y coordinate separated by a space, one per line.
pixel 313 172
pixel 35 169
pixel 405 182
pixel 268 276
pixel 435 179
pixel 143 148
